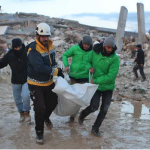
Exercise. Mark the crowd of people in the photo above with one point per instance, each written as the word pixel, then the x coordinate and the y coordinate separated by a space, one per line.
pixel 34 66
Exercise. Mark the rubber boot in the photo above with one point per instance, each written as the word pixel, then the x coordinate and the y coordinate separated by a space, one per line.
pixel 143 79
pixel 97 133
pixel 48 123
pixel 97 124
pixel 22 117
pixel 39 137
pixel 27 116
pixel 83 114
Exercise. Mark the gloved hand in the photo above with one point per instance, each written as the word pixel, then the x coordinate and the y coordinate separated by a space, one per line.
pixel 60 73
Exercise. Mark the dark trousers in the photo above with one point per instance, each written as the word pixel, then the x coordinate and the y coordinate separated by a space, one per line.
pixel 94 105
pixel 74 80
pixel 136 67
pixel 44 101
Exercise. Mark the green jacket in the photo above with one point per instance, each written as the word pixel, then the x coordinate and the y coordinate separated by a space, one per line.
pixel 106 69
pixel 79 67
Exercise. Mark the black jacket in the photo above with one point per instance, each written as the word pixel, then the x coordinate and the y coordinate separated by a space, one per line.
pixel 40 70
pixel 18 65
pixel 140 57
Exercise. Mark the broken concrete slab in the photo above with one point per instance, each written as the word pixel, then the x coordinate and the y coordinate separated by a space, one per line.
pixel 28 14
pixel 59 26
pixel 21 31
pixel 9 17
pixel 8 41
pixel 2 41
pixel 57 33
pixel 55 38
pixel 12 32
pixel 58 43
pixel 16 27
pixel 12 22
pixel 52 29
pixel 3 30
pixel 140 40
pixel 32 24
pixel 71 23
pixel 3 46
pixel 28 30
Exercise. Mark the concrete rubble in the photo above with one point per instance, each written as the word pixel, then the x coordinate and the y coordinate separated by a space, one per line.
pixel 66 33
pixel 3 30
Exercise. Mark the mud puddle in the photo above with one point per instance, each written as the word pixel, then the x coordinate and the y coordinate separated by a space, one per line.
pixel 135 110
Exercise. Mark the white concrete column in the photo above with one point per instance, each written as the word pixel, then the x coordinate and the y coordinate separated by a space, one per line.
pixel 121 28
pixel 141 22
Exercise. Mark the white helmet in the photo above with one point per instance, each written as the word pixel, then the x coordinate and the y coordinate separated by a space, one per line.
pixel 43 29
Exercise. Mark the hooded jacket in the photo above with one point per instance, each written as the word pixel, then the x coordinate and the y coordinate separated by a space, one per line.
pixel 17 60
pixel 106 67
pixel 79 67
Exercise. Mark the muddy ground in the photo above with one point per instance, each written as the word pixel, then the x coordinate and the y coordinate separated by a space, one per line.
pixel 127 125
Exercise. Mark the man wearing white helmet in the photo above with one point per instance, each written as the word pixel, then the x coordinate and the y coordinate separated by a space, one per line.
pixel 41 69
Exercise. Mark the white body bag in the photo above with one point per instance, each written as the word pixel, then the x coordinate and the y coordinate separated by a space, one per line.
pixel 72 97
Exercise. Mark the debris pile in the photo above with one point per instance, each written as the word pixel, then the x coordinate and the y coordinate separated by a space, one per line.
pixel 66 33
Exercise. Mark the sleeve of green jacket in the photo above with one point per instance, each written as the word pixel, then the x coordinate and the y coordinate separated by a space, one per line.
pixel 112 73
pixel 68 53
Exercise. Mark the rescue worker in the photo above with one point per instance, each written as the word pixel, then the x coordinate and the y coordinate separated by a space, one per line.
pixel 41 69
pixel 79 68
pixel 16 58
pixel 105 65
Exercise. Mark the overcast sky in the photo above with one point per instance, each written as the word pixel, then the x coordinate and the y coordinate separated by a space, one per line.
pixel 100 13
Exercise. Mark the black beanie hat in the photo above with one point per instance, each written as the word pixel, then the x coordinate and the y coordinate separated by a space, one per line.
pixel 139 46
pixel 16 42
